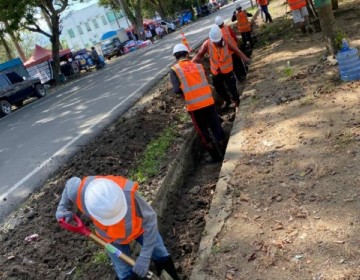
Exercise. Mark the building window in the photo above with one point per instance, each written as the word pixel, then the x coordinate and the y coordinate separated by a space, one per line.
pixel 119 14
pixel 81 32
pixel 87 25
pixel 71 33
pixel 96 25
pixel 110 16
pixel 104 21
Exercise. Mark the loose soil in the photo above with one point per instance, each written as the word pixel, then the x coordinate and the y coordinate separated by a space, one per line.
pixel 295 212
pixel 57 254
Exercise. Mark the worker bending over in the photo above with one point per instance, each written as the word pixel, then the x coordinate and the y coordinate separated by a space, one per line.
pixel 189 79
pixel 240 68
pixel 120 216
pixel 221 65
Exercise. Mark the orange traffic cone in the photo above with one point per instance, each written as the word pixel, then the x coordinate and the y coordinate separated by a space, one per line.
pixel 184 41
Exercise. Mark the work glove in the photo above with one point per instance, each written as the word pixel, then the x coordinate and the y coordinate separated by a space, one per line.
pixel 141 266
pixel 66 215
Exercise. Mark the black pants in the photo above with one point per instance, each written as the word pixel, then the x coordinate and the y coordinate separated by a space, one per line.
pixel 229 79
pixel 267 14
pixel 246 37
pixel 204 119
pixel 240 68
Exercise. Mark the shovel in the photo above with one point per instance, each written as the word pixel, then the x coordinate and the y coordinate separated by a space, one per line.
pixel 83 230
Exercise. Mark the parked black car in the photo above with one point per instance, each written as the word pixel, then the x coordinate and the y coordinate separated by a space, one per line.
pixel 113 48
pixel 205 11
pixel 14 90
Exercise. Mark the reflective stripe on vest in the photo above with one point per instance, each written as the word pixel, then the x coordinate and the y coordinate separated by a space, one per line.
pixel 198 94
pixel 226 35
pixel 296 4
pixel 223 62
pixel 127 225
pixel 243 22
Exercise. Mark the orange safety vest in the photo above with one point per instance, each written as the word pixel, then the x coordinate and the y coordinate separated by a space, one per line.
pixel 243 22
pixel 296 4
pixel 262 2
pixel 129 228
pixel 227 36
pixel 193 83
pixel 220 58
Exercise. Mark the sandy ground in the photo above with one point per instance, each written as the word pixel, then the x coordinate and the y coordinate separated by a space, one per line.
pixel 295 204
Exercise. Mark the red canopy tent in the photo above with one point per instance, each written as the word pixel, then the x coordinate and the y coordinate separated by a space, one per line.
pixel 41 54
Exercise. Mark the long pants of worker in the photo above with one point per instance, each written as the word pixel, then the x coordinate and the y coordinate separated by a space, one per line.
pixel 265 9
pixel 246 37
pixel 204 119
pixel 240 69
pixel 123 270
pixel 229 79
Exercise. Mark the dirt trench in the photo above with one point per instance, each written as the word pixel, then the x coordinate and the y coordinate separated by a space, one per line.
pixel 57 254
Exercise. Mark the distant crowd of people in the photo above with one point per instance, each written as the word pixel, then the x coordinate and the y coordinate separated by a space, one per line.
pixel 153 32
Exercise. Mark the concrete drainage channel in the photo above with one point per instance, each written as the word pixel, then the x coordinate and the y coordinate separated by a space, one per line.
pixel 183 201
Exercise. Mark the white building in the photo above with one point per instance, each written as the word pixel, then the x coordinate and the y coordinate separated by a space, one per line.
pixel 84 28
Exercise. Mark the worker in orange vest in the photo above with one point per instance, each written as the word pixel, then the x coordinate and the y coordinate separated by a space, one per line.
pixel 244 26
pixel 300 15
pixel 264 7
pixel 189 80
pixel 240 68
pixel 120 216
pixel 221 65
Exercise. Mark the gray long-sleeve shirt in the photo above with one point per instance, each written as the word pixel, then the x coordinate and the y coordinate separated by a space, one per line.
pixel 148 215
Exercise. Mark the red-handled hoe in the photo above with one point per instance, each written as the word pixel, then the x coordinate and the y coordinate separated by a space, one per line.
pixel 83 230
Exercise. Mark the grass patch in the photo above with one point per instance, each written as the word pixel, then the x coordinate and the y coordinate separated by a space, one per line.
pixel 184 117
pixel 100 258
pixel 288 72
pixel 307 100
pixel 278 30
pixel 252 10
pixel 215 249
pixel 344 140
pixel 153 156
pixel 78 274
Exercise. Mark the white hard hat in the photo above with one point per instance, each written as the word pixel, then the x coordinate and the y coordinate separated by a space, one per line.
pixel 105 201
pixel 219 20
pixel 180 48
pixel 215 34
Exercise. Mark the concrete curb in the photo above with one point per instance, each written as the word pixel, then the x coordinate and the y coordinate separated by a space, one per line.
pixel 221 205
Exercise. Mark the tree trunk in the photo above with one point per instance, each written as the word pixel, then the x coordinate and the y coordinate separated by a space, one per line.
pixel 6 47
pixel 335 4
pixel 327 23
pixel 18 47
pixel 15 40
pixel 55 42
pixel 139 24
pixel 136 20
pixel 161 10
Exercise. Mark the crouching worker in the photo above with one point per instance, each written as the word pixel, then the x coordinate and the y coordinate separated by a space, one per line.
pixel 120 216
pixel 189 79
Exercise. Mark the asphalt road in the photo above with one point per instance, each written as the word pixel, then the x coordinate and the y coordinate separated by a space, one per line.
pixel 38 138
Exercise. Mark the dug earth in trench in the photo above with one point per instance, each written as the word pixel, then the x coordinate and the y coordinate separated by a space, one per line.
pixel 118 150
